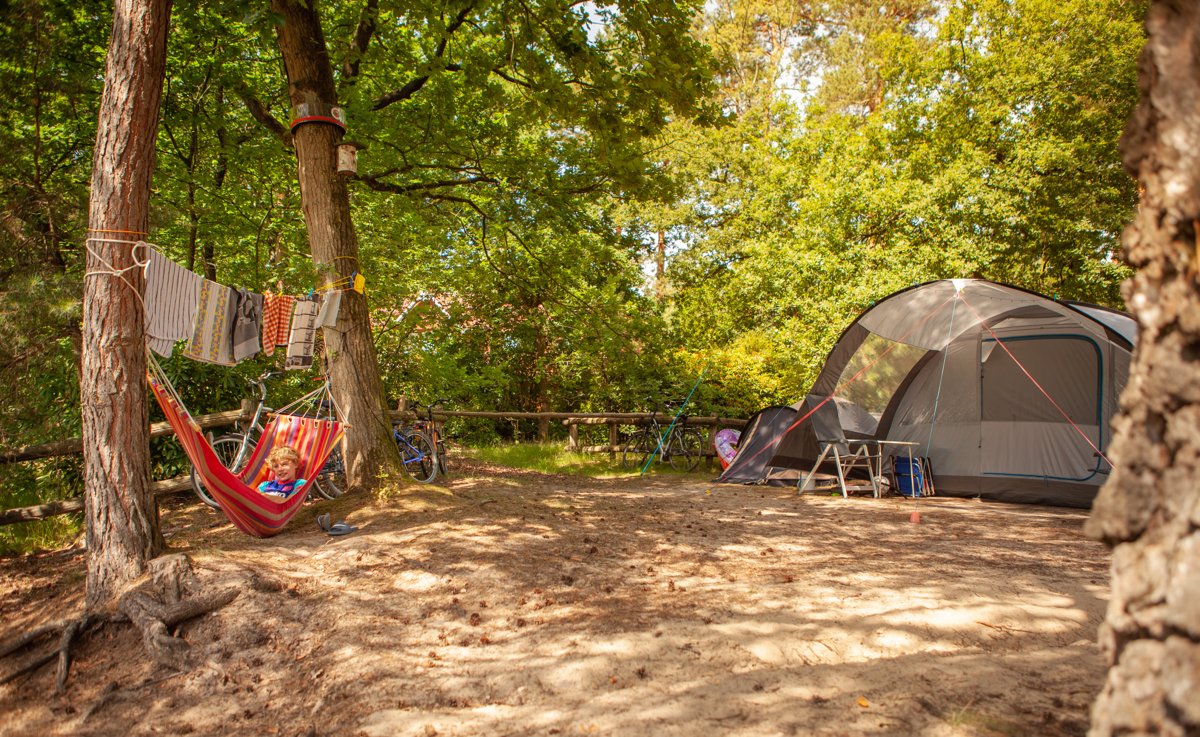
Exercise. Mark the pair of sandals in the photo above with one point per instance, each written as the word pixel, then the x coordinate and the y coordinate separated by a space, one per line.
pixel 335 529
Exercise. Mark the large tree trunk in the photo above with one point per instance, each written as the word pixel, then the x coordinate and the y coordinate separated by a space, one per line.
pixel 353 364
pixel 1149 510
pixel 122 521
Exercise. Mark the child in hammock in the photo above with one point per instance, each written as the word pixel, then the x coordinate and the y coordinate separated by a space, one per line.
pixel 285 463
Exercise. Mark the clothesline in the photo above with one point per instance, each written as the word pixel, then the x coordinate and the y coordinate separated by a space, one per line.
pixel 224 325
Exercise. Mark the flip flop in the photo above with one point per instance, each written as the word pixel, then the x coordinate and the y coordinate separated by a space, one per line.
pixel 323 521
pixel 341 528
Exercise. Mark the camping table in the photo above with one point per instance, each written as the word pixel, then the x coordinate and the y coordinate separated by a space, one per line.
pixel 865 453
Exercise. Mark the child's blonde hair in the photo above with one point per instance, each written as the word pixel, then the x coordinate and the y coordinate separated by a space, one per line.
pixel 283 453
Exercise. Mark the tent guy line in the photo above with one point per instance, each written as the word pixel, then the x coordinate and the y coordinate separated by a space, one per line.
pixel 1025 371
pixel 852 379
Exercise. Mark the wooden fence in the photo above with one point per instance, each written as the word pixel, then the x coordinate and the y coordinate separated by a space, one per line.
pixel 572 420
pixel 616 420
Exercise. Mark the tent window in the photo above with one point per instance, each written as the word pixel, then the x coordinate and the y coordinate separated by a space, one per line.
pixel 1066 366
pixel 884 371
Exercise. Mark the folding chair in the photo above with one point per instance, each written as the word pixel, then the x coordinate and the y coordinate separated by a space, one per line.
pixel 828 428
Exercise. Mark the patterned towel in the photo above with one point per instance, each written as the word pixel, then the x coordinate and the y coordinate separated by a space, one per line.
pixel 277 319
pixel 212 340
pixel 247 325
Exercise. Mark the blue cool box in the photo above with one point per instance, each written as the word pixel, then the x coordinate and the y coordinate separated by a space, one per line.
pixel 910 480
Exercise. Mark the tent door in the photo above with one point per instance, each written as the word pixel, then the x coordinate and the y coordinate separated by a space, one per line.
pixel 1023 432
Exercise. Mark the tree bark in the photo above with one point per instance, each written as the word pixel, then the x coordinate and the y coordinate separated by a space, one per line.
pixel 350 350
pixel 122 520
pixel 1149 510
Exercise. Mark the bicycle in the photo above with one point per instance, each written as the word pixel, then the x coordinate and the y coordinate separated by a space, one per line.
pixel 234 449
pixel 416 451
pixel 433 430
pixel 681 446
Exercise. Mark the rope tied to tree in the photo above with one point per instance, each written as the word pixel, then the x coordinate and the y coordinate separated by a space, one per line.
pixel 111 270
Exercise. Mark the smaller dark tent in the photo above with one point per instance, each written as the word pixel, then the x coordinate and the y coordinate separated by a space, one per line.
pixel 756 447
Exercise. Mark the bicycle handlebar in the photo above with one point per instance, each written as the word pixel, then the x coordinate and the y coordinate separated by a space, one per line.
pixel 440 401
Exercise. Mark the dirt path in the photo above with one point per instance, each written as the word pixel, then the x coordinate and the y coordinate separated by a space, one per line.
pixel 512 603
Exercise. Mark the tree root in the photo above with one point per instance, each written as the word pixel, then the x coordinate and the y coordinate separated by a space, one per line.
pixel 112 692
pixel 70 630
pixel 155 605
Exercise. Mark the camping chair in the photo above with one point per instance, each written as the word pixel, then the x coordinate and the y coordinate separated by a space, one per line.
pixel 847 455
pixel 237 494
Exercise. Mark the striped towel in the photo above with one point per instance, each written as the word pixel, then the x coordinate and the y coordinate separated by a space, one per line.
pixel 172 294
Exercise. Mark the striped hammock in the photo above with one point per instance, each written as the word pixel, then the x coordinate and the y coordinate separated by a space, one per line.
pixel 251 511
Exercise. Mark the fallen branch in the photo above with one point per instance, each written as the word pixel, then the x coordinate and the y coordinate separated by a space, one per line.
pixel 67 506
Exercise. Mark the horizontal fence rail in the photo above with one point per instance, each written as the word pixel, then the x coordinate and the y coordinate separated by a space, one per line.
pixel 615 420
pixel 572 421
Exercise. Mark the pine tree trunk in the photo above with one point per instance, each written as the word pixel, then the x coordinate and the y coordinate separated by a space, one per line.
pixel 353 364
pixel 122 520
pixel 1149 510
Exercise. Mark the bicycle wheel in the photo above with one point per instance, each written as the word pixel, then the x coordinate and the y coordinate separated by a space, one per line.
pixel 686 447
pixel 330 483
pixel 440 447
pixel 227 448
pixel 417 454
pixel 637 450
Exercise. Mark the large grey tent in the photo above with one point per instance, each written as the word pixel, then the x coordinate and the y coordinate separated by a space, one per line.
pixel 1009 393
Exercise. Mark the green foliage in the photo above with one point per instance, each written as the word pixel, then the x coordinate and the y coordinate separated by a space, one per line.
pixel 981 141
pixel 35 483
pixel 523 161
pixel 552 457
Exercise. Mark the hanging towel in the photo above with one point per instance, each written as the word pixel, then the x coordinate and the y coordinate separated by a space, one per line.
pixel 247 325
pixel 304 333
pixel 277 318
pixel 212 340
pixel 330 306
pixel 172 293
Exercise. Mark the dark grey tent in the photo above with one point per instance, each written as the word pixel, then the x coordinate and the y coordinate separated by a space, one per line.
pixel 752 464
pixel 757 445
pixel 1009 393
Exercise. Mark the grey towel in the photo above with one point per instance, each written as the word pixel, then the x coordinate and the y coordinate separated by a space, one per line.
pixel 330 305
pixel 303 336
pixel 247 325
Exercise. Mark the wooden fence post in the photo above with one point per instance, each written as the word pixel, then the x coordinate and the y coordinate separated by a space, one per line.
pixel 572 436
pixel 614 436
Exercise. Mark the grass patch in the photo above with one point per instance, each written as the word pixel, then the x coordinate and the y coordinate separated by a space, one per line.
pixel 552 457
pixel 972 718
pixel 548 457
pixel 47 534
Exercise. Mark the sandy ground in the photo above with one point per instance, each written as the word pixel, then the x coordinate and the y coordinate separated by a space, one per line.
pixel 514 603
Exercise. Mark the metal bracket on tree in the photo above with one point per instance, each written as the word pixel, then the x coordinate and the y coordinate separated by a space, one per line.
pixel 317 112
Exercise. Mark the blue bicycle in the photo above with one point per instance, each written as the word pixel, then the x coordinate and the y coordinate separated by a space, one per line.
pixel 416 451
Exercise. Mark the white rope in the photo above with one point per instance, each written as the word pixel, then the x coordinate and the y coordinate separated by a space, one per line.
pixel 120 273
